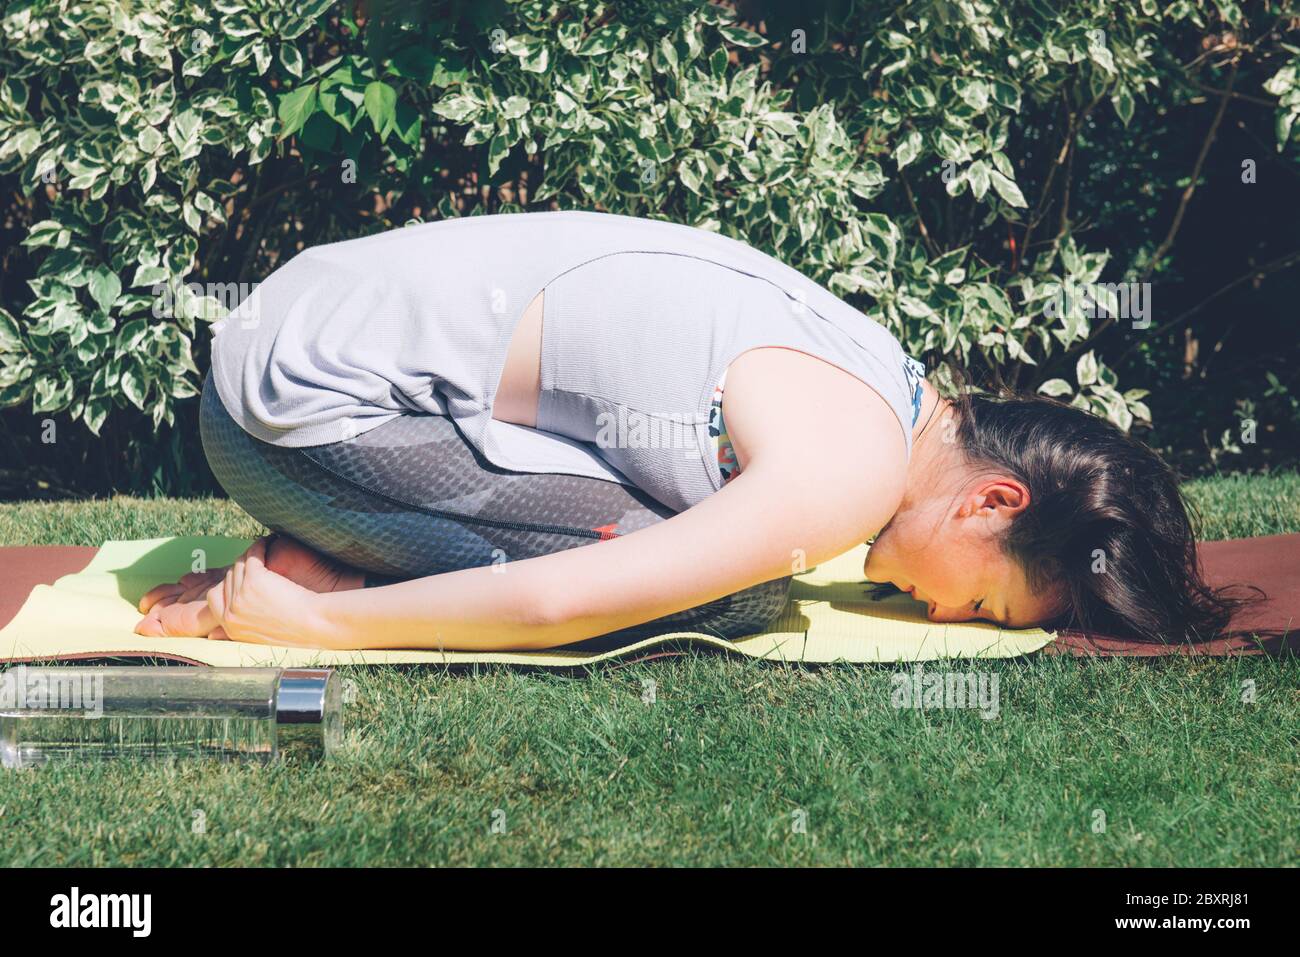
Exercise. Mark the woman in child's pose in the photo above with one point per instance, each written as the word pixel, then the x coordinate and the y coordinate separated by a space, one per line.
pixel 523 431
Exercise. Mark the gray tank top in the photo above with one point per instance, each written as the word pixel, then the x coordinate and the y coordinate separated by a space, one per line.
pixel 640 319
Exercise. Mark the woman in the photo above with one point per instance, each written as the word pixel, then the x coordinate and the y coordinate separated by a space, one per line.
pixel 434 420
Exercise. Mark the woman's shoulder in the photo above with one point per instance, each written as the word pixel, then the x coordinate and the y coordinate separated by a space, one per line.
pixel 802 411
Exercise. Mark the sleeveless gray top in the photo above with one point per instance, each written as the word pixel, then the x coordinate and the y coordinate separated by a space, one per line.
pixel 640 319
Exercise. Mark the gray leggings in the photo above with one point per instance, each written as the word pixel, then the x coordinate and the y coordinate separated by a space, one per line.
pixel 412 498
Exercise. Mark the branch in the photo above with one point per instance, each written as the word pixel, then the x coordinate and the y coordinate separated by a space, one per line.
pixel 1269 151
pixel 1205 55
pixel 1064 225
pixel 1271 104
pixel 1259 272
pixel 272 193
pixel 925 233
pixel 1168 241
pixel 1066 154
pixel 1041 210
pixel 255 240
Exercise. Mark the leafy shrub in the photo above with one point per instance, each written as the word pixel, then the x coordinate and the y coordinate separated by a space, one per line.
pixel 916 158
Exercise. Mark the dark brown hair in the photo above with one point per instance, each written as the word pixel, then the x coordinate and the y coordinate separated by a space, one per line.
pixel 1106 522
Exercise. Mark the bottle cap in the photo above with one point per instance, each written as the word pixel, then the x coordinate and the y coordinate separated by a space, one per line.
pixel 308 712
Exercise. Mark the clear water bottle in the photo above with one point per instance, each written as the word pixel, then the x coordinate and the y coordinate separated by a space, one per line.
pixel 245 714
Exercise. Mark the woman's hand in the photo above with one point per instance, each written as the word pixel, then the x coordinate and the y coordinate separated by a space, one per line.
pixel 181 609
pixel 245 602
pixel 284 556
pixel 191 588
pixel 254 604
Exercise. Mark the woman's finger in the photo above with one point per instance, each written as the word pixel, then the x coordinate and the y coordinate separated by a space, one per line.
pixel 256 554
pixel 164 602
pixel 150 597
pixel 196 592
pixel 149 625
pixel 216 599
pixel 228 590
pixel 198 578
pixel 177 620
pixel 240 567
pixel 191 587
pixel 191 620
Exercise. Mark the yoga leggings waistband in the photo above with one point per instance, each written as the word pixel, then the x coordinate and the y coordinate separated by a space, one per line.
pixel 412 498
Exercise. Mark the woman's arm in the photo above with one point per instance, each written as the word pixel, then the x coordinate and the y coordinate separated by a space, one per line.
pixel 823 465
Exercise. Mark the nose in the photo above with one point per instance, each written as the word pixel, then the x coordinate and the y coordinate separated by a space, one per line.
pixel 938 612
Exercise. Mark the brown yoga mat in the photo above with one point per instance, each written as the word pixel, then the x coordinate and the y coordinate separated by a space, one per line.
pixel 1271 563
pixel 23 567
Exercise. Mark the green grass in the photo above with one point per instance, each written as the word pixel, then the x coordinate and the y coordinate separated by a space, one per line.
pixel 724 763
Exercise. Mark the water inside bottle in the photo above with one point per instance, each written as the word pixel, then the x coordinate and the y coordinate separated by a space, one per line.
pixel 36 739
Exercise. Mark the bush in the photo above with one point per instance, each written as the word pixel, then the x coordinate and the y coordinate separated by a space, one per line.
pixel 916 158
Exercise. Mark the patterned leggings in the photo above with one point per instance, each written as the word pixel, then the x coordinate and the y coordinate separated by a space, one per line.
pixel 412 498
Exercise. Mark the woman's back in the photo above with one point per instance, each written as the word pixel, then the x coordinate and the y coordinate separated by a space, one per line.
pixel 640 319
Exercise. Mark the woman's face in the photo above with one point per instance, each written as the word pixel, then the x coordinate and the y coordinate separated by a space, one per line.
pixel 944 551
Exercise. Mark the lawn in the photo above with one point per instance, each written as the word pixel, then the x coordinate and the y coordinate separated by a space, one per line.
pixel 727 762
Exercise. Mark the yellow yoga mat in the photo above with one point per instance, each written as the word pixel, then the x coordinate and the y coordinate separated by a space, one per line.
pixel 830 618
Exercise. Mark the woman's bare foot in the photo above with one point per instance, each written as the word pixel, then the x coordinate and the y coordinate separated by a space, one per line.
pixel 309 568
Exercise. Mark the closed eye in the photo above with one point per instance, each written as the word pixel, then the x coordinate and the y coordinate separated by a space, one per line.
pixel 993 618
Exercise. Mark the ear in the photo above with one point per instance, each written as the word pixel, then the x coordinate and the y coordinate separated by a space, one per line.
pixel 999 496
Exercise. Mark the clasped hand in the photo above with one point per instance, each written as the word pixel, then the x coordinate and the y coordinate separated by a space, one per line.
pixel 269 596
